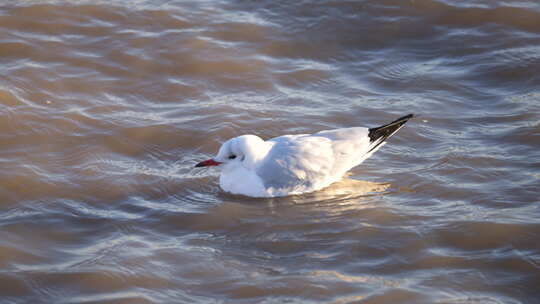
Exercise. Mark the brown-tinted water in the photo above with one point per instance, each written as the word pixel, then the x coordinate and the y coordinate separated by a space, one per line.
pixel 105 107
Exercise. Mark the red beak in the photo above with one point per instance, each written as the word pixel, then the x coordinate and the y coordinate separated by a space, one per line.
pixel 207 163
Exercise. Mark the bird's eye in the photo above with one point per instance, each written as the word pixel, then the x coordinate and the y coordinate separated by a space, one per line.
pixel 232 156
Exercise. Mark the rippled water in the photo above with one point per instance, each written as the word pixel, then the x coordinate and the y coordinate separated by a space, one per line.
pixel 105 107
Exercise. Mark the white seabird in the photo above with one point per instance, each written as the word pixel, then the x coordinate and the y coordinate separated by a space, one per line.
pixel 296 164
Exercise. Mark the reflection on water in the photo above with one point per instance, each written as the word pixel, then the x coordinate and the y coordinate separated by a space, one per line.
pixel 345 189
pixel 105 107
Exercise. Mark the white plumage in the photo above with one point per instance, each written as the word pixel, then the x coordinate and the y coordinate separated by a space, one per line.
pixel 295 164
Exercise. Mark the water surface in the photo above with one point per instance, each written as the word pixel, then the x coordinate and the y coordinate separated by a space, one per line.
pixel 106 106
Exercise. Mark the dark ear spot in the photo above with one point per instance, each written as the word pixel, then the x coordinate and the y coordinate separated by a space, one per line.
pixel 232 156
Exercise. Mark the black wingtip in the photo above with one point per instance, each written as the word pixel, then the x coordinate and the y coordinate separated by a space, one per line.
pixel 406 117
pixel 400 120
pixel 383 132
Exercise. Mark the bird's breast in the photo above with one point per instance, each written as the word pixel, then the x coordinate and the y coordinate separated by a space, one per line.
pixel 240 180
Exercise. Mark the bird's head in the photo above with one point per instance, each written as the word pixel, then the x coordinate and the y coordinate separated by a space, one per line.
pixel 245 150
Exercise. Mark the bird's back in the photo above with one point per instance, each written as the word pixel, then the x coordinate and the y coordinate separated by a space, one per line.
pixel 303 163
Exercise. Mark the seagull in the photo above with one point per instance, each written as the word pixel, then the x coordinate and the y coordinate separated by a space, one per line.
pixel 296 164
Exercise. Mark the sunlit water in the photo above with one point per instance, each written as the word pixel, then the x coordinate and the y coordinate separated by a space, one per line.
pixel 106 106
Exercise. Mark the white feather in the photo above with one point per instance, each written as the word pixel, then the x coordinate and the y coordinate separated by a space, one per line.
pixel 291 164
